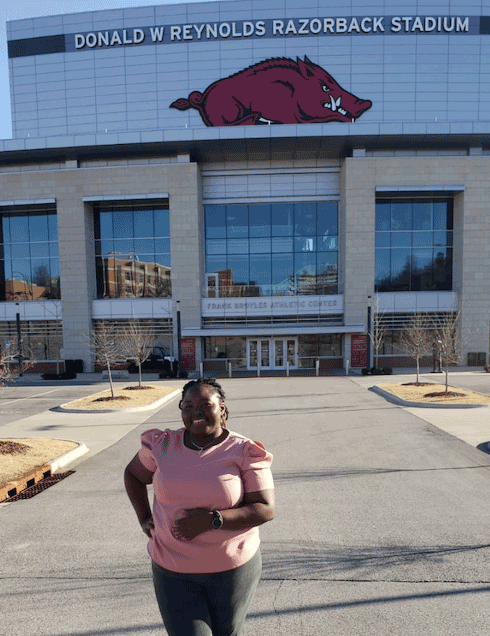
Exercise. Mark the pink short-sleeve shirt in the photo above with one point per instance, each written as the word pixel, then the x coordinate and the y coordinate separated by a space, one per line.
pixel 215 479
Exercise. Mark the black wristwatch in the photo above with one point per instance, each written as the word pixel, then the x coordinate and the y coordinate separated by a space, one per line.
pixel 217 520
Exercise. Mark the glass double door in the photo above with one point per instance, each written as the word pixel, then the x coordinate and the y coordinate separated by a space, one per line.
pixel 272 353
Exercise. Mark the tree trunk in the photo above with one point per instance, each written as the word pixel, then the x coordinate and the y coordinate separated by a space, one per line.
pixel 139 372
pixel 110 378
pixel 418 368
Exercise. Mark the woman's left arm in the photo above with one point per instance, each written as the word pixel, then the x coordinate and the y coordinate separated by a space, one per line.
pixel 256 508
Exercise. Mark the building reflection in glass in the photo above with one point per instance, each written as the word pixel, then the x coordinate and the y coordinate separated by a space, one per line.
pixel 282 249
pixel 132 246
pixel 29 255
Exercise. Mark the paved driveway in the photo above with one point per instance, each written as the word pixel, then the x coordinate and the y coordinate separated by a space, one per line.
pixel 381 526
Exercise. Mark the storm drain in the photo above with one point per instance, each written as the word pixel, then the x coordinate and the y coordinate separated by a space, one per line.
pixel 41 485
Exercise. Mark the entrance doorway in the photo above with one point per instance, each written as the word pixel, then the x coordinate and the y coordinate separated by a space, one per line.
pixel 272 353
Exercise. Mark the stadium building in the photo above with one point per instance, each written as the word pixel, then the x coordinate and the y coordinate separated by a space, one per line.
pixel 275 173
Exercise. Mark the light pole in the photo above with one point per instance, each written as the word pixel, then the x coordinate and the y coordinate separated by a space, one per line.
pixel 19 338
pixel 369 333
pixel 179 339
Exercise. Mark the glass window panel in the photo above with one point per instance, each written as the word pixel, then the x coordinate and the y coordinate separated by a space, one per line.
pixel 400 268
pixel 441 239
pixel 144 246
pixel 215 221
pixel 383 239
pixel 53 249
pixel 6 229
pixel 260 246
pixel 304 244
pixel 422 239
pixel 7 250
pixel 21 250
pixel 421 279
pixel 54 267
pixel 162 222
pixel 401 239
pixel 259 219
pixel 305 273
pixel 143 223
pixel 442 220
pixel 21 269
pixel 237 246
pixel 215 264
pixel 327 243
pixel 282 274
pixel 443 268
pixel 282 219
pixel 383 270
pixel 163 259
pixel 282 244
pixel 237 221
pixel 123 225
pixel 401 215
pixel 8 269
pixel 260 269
pixel 422 215
pixel 39 249
pixel 53 227
pixel 327 215
pixel 239 271
pixel 143 259
pixel 383 216
pixel 38 227
pixel 305 219
pixel 19 229
pixel 105 224
pixel 162 245
pixel 327 275
pixel 215 246
pixel 106 247
pixel 40 271
pixel 124 246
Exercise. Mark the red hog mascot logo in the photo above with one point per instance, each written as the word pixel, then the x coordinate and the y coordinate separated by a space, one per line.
pixel 276 91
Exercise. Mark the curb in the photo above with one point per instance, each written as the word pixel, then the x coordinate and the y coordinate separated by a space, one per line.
pixel 394 399
pixel 135 409
pixel 39 473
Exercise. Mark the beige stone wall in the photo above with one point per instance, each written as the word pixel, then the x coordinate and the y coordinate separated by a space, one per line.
pixel 471 279
pixel 77 260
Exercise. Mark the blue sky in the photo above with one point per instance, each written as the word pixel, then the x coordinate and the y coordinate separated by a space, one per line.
pixel 18 10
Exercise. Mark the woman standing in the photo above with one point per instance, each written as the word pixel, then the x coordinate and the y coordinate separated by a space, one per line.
pixel 212 489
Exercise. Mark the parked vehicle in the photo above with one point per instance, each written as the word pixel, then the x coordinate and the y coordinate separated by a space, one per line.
pixel 157 362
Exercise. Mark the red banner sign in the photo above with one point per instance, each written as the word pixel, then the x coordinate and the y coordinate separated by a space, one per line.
pixel 358 351
pixel 188 348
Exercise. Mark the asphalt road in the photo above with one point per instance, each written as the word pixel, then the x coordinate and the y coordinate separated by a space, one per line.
pixel 382 526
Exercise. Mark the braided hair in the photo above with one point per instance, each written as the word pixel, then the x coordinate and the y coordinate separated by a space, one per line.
pixel 214 384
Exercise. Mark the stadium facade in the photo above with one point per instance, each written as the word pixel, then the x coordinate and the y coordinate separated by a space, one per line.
pixel 275 172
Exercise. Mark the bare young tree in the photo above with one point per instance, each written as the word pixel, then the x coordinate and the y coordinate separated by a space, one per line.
pixel 137 343
pixel 377 331
pixel 416 340
pixel 11 366
pixel 107 347
pixel 448 338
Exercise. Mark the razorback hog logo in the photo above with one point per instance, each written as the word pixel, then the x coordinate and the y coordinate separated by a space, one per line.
pixel 275 91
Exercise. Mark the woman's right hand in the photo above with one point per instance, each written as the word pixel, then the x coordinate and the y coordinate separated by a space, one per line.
pixel 148 526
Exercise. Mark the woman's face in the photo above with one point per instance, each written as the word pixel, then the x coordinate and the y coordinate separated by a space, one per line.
pixel 202 412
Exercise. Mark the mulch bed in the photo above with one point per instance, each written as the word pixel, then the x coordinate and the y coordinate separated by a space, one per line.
pixel 136 388
pixel 13 448
pixel 111 399
pixel 445 394
pixel 417 383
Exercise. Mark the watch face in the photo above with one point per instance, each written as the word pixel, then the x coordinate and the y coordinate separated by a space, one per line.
pixel 217 521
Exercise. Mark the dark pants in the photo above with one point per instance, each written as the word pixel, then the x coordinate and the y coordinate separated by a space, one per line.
pixel 213 604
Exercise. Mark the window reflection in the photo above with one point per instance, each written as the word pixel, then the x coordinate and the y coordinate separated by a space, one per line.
pixel 413 245
pixel 249 263
pixel 136 264
pixel 30 266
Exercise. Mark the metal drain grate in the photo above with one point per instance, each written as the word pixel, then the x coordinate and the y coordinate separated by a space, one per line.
pixel 39 487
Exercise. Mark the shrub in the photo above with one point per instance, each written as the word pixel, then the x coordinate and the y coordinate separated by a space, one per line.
pixel 387 370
